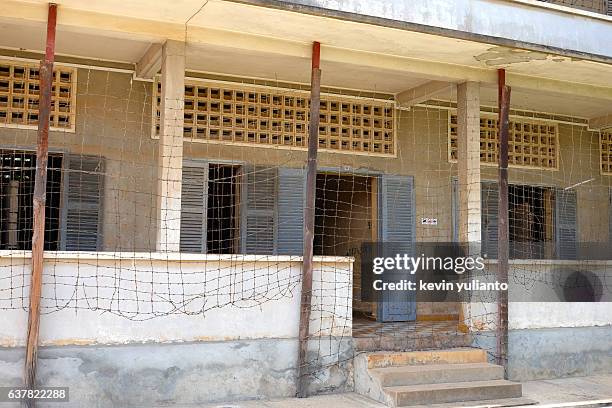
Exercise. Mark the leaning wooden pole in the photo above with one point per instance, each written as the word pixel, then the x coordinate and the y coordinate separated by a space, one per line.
pixel 309 220
pixel 503 229
pixel 40 191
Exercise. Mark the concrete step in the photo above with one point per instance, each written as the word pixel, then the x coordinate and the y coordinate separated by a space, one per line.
pixel 437 373
pixel 497 403
pixel 449 356
pixel 425 341
pixel 428 394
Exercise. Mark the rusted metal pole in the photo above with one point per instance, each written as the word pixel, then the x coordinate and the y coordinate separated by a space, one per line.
pixel 40 192
pixel 309 220
pixel 503 229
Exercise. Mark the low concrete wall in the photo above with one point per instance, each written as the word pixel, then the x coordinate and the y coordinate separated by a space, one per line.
pixel 554 352
pixel 537 279
pixel 533 280
pixel 145 375
pixel 184 342
pixel 549 339
pixel 560 352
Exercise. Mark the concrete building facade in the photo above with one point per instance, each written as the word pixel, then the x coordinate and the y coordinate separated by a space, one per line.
pixel 175 198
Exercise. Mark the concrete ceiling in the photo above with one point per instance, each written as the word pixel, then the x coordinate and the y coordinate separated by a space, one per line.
pixel 31 37
pixel 176 11
pixel 301 28
pixel 243 40
pixel 525 99
pixel 238 62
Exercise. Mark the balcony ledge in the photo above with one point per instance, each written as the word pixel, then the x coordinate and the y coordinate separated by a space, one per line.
pixel 169 257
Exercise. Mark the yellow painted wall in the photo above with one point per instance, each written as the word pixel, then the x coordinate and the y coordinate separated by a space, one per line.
pixel 114 120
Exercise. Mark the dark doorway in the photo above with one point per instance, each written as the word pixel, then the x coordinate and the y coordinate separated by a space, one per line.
pixel 345 217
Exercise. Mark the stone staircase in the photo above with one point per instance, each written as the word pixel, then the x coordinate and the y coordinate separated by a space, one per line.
pixel 454 377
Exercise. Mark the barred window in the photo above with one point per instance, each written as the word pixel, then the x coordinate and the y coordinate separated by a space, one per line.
pixel 273 117
pixel 605 145
pixel 531 143
pixel 20 93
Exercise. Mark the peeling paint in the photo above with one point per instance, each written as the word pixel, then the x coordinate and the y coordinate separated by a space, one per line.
pixel 183 374
pixel 71 342
pixel 502 56
pixel 10 342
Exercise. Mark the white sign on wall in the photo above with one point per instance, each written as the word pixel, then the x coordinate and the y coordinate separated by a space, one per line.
pixel 429 221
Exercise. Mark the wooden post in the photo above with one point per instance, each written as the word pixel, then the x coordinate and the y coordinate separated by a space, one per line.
pixel 503 226
pixel 309 220
pixel 40 191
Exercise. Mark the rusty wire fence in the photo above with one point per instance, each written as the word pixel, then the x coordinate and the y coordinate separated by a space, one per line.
pixel 385 173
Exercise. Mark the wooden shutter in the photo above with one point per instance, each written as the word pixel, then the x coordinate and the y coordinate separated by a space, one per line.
pixel 398 229
pixel 490 209
pixel 291 185
pixel 609 7
pixel 258 230
pixel 397 209
pixel 82 209
pixel 194 204
pixel 565 223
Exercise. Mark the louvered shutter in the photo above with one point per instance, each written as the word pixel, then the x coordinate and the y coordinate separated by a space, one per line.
pixel 398 229
pixel 291 185
pixel 82 212
pixel 258 230
pixel 490 215
pixel 565 223
pixel 194 203
pixel 609 11
pixel 397 206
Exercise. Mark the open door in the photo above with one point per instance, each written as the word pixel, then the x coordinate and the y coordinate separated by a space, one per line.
pixel 397 226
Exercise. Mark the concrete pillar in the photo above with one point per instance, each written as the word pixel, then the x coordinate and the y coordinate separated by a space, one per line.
pixel 170 154
pixel 473 315
pixel 468 144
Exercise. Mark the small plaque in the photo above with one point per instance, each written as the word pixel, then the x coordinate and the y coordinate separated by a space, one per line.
pixel 429 221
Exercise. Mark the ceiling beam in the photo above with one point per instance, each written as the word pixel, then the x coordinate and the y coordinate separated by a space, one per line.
pixel 436 71
pixel 601 122
pixel 157 31
pixel 422 93
pixel 558 87
pixel 92 22
pixel 150 63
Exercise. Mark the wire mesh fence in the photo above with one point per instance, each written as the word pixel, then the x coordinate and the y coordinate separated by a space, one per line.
pixel 232 235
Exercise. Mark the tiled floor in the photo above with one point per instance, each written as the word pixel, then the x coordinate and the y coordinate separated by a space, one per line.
pixel 370 335
pixel 363 327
